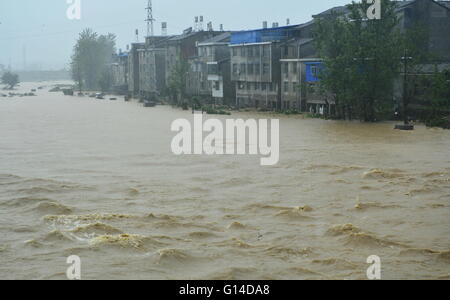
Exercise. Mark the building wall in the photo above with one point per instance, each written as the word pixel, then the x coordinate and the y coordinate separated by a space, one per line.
pixel 290 84
pixel 133 69
pixel 229 88
pixel 255 70
pixel 197 79
pixel 152 73
pixel 440 32
pixel 184 48
pixel 435 20
pixel 119 72
pixel 210 77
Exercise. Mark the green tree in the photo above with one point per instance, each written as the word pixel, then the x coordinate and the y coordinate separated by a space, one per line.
pixel 105 81
pixel 10 79
pixel 331 42
pixel 91 55
pixel 415 55
pixel 438 99
pixel 362 59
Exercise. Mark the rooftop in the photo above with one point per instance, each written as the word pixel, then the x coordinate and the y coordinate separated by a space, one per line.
pixel 219 39
pixel 263 35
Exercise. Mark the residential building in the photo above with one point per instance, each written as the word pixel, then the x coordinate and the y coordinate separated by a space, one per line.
pixel 299 73
pixel 209 76
pixel 434 18
pixel 133 69
pixel 152 68
pixel 256 66
pixel 119 71
pixel 184 47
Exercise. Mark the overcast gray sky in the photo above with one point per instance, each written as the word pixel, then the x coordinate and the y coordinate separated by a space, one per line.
pixel 39 34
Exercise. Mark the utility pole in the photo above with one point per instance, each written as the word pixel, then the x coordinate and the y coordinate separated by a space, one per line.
pixel 405 88
pixel 150 19
pixel 406 125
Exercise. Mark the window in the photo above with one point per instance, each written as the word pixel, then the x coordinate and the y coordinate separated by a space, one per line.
pixel 266 51
pixel 286 68
pixel 241 85
pixel 213 69
pixel 294 68
pixel 235 69
pixel 243 69
pixel 257 51
pixel 257 86
pixel 257 69
pixel 294 87
pixel 250 69
pixel 263 86
pixel 250 51
pixel 315 71
pixel 266 69
pixel 286 87
pixel 235 51
pixel 217 85
pixel 242 51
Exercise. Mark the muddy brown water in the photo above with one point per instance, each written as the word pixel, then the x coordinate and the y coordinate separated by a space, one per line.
pixel 97 179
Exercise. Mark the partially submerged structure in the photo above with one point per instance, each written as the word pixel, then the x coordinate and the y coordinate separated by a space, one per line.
pixel 133 70
pixel 152 68
pixel 270 68
pixel 119 71
pixel 255 65
pixel 209 78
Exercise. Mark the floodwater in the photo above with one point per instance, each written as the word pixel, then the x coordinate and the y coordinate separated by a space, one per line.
pixel 97 179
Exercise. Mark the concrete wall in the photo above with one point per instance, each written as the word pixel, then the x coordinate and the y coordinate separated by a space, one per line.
pixel 434 19
pixel 133 69
pixel 184 47
pixel 255 70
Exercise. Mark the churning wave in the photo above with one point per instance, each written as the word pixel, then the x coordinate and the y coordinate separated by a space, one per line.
pixel 354 236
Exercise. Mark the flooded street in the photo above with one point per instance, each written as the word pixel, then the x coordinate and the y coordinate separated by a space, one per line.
pixel 98 179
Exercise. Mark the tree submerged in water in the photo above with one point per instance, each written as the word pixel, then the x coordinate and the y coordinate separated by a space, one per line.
pixel 91 57
pixel 362 59
pixel 10 79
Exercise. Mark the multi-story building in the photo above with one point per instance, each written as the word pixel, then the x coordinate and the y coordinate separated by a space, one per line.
pixel 434 18
pixel 184 47
pixel 119 71
pixel 152 68
pixel 209 76
pixel 256 66
pixel 133 69
pixel 299 64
